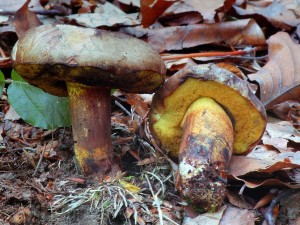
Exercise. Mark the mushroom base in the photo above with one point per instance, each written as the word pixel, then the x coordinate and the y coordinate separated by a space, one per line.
pixel 91 125
pixel 201 184
pixel 205 150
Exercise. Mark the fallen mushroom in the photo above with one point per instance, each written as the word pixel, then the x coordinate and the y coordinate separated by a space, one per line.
pixel 201 116
pixel 85 64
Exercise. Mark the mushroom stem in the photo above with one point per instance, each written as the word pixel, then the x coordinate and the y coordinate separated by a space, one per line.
pixel 91 126
pixel 205 150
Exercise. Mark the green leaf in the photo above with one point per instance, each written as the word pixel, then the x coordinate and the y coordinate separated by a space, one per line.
pixel 2 82
pixel 37 107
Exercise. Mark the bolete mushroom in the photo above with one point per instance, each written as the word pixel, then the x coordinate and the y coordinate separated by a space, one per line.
pixel 85 64
pixel 201 116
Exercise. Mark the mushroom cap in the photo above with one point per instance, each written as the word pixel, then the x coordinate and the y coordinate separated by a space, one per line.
pixel 48 56
pixel 171 101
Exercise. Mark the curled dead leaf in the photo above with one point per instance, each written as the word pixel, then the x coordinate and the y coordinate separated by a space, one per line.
pixel 279 79
pixel 246 32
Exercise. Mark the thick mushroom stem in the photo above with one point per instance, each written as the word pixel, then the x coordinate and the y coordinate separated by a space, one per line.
pixel 91 126
pixel 205 150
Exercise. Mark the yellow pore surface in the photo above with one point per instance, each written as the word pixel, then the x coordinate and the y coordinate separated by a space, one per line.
pixel 247 121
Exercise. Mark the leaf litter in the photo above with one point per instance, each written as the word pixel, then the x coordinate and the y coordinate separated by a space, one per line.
pixel 39 183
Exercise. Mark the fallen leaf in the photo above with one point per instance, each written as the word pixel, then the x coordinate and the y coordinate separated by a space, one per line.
pixel 11 114
pixel 236 200
pixel 206 218
pixel 130 187
pixel 279 79
pixel 283 129
pixel 152 9
pixel 14 5
pixel 278 143
pixel 146 161
pixel 239 32
pixel 281 13
pixel 242 165
pixel 135 3
pixel 206 8
pixel 175 65
pixel 25 19
pixel 94 20
pixel 237 216
pixel 266 183
pixel 266 199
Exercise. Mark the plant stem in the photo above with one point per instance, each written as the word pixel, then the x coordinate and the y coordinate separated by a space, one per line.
pixel 207 54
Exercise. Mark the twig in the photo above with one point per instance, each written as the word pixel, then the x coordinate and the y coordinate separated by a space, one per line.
pixel 123 108
pixel 282 194
pixel 208 54
pixel 156 201
pixel 21 149
pixel 40 161
pixel 50 12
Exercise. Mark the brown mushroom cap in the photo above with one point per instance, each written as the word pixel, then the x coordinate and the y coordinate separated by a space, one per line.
pixel 50 55
pixel 172 100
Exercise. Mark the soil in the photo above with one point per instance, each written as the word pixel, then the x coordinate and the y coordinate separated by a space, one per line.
pixel 39 179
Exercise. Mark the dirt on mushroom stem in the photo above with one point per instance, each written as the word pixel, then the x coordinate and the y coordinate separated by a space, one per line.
pixel 90 110
pixel 245 113
pixel 205 150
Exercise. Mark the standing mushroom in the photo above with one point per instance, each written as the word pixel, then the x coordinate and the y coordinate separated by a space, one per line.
pixel 85 64
pixel 201 116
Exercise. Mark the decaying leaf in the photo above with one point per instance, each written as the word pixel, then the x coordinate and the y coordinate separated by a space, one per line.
pixel 206 8
pixel 25 19
pixel 279 79
pixel 283 129
pixel 95 20
pixel 241 165
pixel 281 13
pixel 206 218
pixel 236 200
pixel 130 187
pixel 240 32
pixel 237 216
pixel 152 9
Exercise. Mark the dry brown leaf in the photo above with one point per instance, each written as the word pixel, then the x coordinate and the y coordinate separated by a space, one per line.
pixel 11 114
pixel 152 9
pixel 206 8
pixel 14 5
pixel 236 200
pixel 94 20
pixel 242 165
pixel 283 129
pixel 25 19
pixel 236 216
pixel 286 109
pixel 146 161
pixel 206 218
pixel 135 3
pixel 278 143
pixel 279 79
pixel 180 14
pixel 281 13
pixel 179 64
pixel 239 32
pixel 138 104
pixel 266 183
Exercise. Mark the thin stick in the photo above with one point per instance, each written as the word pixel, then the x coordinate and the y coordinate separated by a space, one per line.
pixel 40 161
pixel 269 217
pixel 208 54
pixel 156 201
pixel 50 12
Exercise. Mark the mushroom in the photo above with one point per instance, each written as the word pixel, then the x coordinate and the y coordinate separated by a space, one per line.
pixel 201 116
pixel 85 64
